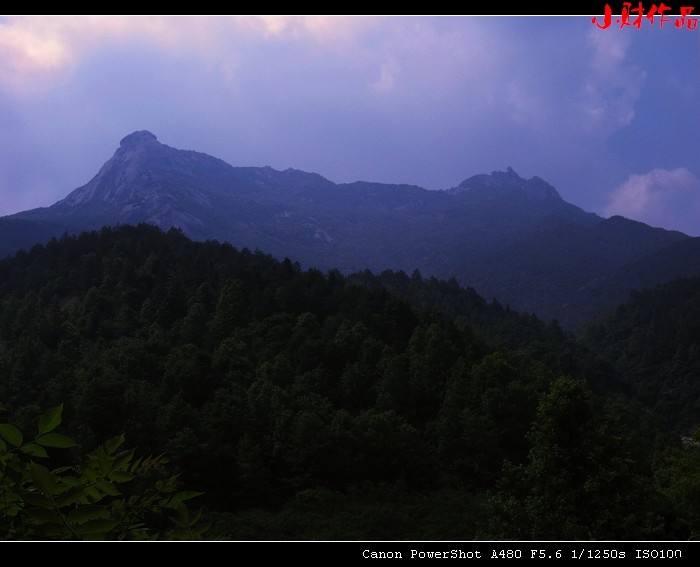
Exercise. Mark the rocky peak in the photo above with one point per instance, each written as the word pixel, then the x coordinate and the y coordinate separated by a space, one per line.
pixel 507 177
pixel 152 178
pixel 507 182
pixel 137 138
pixel 128 175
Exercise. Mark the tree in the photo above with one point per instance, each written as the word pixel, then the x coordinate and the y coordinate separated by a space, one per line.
pixel 581 480
pixel 109 494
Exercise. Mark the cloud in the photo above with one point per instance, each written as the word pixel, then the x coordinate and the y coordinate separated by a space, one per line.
pixel 613 85
pixel 333 30
pixel 387 77
pixel 36 51
pixel 28 52
pixel 660 197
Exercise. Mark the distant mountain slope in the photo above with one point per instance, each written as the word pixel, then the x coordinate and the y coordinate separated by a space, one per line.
pixel 510 238
pixel 679 260
pixel 548 265
pixel 19 233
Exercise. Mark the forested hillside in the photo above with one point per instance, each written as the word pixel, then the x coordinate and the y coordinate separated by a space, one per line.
pixel 315 406
pixel 654 341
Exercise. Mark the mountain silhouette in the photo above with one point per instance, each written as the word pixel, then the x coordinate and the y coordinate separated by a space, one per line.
pixel 512 239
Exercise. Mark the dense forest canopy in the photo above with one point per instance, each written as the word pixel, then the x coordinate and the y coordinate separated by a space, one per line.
pixel 310 405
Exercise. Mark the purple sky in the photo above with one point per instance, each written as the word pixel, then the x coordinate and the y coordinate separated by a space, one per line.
pixel 610 117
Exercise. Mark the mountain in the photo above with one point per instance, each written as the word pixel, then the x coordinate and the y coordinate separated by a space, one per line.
pixel 17 233
pixel 510 238
pixel 562 270
pixel 679 260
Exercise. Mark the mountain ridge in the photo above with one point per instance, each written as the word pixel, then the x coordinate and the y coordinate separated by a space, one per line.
pixel 512 239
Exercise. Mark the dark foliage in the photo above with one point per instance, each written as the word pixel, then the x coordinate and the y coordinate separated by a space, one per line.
pixel 308 405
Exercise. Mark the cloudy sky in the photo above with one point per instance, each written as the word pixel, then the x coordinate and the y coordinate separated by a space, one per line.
pixel 610 117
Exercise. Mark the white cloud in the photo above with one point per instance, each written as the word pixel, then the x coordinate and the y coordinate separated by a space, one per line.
pixel 661 197
pixel 387 77
pixel 30 52
pixel 336 30
pixel 612 86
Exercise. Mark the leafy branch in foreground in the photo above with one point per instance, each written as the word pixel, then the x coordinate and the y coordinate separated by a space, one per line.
pixel 109 494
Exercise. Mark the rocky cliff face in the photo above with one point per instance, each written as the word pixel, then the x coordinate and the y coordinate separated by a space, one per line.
pixel 144 181
pixel 507 183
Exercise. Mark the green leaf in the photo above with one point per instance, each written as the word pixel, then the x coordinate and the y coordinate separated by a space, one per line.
pixel 50 420
pixel 67 481
pixel 94 494
pixel 73 495
pixel 90 473
pixel 120 476
pixel 182 496
pixel 34 450
pixel 96 527
pixel 103 461
pixel 122 460
pixel 56 440
pixel 11 434
pixel 43 479
pixel 55 529
pixel 43 515
pixel 3 447
pixel 117 507
pixel 113 444
pixel 12 509
pixel 108 488
pixel 183 516
pixel 84 513
pixel 37 500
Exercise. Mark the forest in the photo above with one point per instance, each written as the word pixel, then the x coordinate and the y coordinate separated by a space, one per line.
pixel 295 404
